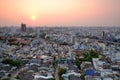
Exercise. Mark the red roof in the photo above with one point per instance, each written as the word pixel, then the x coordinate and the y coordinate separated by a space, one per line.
pixel 79 53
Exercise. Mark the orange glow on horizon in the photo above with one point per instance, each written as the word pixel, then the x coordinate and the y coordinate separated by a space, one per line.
pixel 60 12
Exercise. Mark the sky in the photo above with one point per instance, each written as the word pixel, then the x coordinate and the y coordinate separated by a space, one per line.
pixel 60 12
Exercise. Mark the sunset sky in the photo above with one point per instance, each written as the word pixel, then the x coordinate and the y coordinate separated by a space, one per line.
pixel 60 12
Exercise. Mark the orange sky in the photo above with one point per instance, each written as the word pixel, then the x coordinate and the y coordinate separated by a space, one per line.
pixel 60 12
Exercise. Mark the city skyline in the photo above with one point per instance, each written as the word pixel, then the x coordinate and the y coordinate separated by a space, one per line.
pixel 60 12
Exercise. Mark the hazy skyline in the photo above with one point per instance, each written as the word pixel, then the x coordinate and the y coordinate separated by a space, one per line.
pixel 60 12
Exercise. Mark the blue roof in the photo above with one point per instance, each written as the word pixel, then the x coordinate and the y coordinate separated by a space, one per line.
pixel 95 46
pixel 89 72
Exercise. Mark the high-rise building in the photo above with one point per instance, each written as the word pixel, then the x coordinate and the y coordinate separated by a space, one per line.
pixel 23 27
pixel 103 34
pixel 73 39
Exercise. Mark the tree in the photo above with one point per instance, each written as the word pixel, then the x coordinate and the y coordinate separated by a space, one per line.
pixel 9 75
pixel 17 77
pixel 62 71
pixel 6 79
pixel 88 57
pixel 78 62
pixel 93 53
pixel 52 79
pixel 12 62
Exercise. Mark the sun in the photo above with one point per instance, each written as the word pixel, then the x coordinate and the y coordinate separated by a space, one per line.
pixel 33 17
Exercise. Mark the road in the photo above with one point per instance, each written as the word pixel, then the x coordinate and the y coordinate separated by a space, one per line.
pixel 72 66
pixel 16 73
pixel 56 73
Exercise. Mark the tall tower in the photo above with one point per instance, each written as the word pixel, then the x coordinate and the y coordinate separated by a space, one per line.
pixel 73 39
pixel 103 34
pixel 23 27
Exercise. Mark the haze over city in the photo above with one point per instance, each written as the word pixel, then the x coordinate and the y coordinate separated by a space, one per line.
pixel 59 39
pixel 60 12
